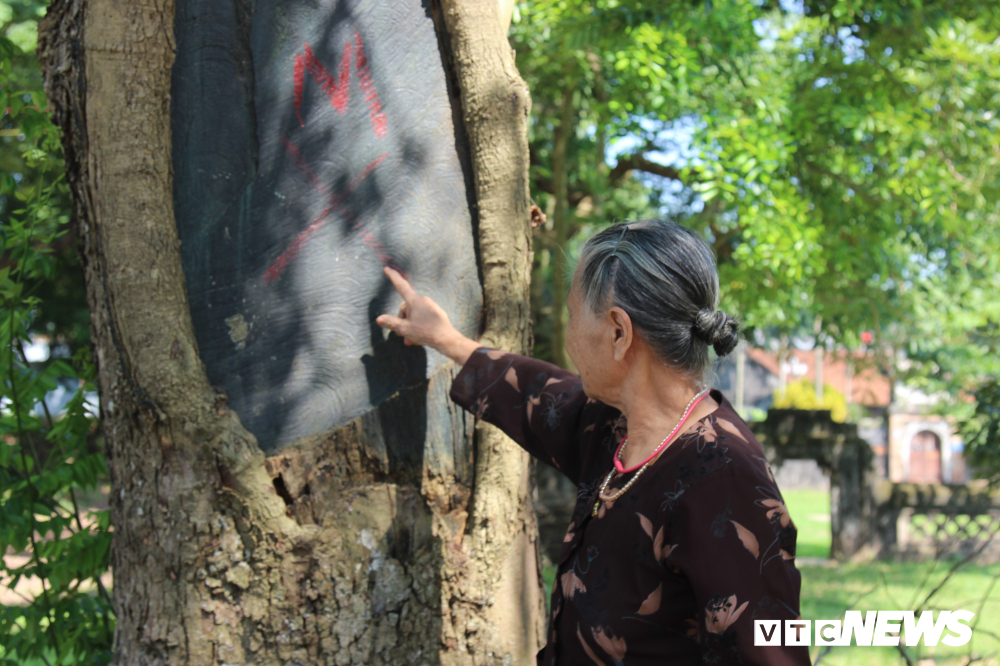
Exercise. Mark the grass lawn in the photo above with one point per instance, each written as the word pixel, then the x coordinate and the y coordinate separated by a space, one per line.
pixel 810 511
pixel 828 591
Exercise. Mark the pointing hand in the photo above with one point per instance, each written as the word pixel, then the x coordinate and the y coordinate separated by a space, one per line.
pixel 421 321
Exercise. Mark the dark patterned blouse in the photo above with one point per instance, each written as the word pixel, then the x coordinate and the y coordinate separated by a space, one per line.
pixel 676 570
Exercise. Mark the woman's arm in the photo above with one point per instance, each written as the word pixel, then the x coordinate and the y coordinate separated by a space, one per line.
pixel 538 405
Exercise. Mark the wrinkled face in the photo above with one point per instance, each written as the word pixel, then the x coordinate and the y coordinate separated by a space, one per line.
pixel 589 345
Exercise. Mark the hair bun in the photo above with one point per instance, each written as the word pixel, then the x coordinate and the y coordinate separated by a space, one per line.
pixel 718 329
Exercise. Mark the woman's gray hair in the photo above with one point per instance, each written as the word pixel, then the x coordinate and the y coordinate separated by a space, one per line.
pixel 664 276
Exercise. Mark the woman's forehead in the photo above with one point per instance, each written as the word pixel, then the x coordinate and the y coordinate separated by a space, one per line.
pixel 574 298
pixel 573 293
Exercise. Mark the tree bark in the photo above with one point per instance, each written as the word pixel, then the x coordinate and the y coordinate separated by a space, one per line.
pixel 503 532
pixel 323 554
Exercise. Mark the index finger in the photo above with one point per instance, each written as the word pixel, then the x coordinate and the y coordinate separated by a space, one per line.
pixel 402 286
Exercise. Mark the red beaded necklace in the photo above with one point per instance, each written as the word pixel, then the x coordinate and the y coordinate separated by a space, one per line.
pixel 601 497
pixel 687 412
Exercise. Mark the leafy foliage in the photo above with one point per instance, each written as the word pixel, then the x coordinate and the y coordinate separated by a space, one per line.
pixel 842 158
pixel 30 155
pixel 46 459
pixel 981 431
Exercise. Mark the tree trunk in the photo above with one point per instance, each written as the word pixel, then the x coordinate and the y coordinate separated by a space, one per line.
pixel 331 551
pixel 560 220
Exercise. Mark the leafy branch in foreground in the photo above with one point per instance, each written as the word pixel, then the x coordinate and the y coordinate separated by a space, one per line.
pixel 54 547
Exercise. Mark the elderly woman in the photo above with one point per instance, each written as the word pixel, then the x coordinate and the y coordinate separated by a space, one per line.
pixel 680 539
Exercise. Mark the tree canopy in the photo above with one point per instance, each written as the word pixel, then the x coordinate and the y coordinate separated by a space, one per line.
pixel 842 159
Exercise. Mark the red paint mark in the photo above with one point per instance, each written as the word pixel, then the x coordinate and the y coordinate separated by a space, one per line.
pixel 366 171
pixel 335 206
pixel 338 90
pixel 281 263
pixel 298 79
pixel 378 119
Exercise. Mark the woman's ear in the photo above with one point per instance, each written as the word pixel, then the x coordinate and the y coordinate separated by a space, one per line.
pixel 621 334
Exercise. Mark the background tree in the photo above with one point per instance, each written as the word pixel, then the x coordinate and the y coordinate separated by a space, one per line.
pixel 31 158
pixel 603 72
pixel 841 160
pixel 54 542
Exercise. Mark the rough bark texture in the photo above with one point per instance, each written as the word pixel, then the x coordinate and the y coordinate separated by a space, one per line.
pixel 328 553
pixel 495 105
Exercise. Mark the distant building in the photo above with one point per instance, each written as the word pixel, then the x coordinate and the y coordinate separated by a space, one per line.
pixel 910 444
pixel 760 379
pixel 923 447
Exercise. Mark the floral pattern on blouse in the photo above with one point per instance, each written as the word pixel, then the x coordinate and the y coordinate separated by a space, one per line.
pixel 676 570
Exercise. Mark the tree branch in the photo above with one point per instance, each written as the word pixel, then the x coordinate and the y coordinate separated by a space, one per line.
pixel 640 163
